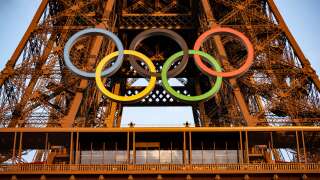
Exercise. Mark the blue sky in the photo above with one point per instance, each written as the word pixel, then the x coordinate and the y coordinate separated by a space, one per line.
pixel 302 17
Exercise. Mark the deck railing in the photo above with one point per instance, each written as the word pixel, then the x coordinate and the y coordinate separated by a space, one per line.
pixel 158 168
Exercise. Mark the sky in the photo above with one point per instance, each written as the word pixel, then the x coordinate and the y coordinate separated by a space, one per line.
pixel 302 17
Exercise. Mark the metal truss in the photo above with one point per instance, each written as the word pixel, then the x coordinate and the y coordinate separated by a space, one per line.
pixel 36 90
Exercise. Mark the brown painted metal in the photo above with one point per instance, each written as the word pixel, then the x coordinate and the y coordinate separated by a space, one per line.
pixel 298 146
pixel 29 90
pixel 128 147
pixel 263 169
pixel 160 177
pixel 184 148
pixel 246 147
pixel 71 149
pixel 241 146
pixel 221 50
pixel 70 118
pixel 12 61
pixel 168 129
pixel 20 147
pixel 134 146
pixel 294 43
pixel 183 168
pixel 77 149
pixel 234 106
pixel 14 148
pixel 190 147
pixel 284 100
pixel 304 148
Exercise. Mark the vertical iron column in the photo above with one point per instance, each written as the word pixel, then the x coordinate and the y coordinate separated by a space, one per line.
pixel 305 62
pixel 251 121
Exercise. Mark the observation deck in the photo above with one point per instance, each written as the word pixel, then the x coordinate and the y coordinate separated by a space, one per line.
pixel 165 151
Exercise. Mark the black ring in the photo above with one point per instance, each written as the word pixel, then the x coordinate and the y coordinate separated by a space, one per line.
pixel 164 32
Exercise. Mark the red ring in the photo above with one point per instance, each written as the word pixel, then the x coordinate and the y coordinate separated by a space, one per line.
pixel 245 67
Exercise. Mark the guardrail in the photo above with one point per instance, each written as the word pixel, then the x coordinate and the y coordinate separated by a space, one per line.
pixel 158 168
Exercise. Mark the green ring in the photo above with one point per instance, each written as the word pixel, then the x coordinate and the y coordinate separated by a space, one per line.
pixel 184 98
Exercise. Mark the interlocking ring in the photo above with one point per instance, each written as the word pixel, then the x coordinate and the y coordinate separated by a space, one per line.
pixel 185 98
pixel 163 32
pixel 165 72
pixel 133 98
pixel 245 67
pixel 93 31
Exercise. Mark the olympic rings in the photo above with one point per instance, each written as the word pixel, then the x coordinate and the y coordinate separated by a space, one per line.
pixel 107 72
pixel 164 32
pixel 133 98
pixel 165 72
pixel 185 98
pixel 245 67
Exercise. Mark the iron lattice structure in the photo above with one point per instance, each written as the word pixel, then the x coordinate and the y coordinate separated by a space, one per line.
pixel 37 90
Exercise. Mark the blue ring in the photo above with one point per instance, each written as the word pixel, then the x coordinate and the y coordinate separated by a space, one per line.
pixel 108 71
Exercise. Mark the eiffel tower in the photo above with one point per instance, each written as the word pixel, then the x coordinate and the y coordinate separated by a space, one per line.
pixel 263 124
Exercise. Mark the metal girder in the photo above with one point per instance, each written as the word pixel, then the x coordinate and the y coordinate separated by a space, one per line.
pixel 5 74
pixel 293 42
pixel 251 121
pixel 68 120
pixel 276 83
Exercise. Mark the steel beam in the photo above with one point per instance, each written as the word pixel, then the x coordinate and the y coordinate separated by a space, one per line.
pixel 68 121
pixel 251 121
pixel 304 61
pixel 5 74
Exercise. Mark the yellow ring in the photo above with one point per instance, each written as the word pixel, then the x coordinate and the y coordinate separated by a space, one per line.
pixel 132 98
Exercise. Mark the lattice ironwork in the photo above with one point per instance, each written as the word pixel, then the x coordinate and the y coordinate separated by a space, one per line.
pixel 36 89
